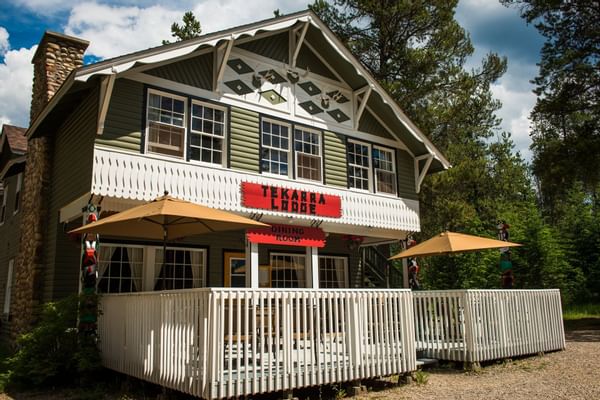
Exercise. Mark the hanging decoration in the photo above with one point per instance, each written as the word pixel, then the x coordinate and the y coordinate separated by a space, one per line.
pixel 88 309
pixel 413 266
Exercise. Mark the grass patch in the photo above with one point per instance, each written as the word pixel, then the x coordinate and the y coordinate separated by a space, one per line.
pixel 581 311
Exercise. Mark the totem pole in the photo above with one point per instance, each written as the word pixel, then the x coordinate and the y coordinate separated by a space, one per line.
pixel 88 304
pixel 505 261
pixel 413 267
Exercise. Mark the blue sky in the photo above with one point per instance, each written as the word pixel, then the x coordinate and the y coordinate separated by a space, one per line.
pixel 116 27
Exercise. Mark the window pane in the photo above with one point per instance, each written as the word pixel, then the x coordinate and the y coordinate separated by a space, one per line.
pixel 209 147
pixel 274 157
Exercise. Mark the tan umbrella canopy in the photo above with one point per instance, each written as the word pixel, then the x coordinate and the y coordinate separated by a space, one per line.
pixel 167 218
pixel 452 242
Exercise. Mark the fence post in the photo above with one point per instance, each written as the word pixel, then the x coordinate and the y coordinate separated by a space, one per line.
pixel 468 326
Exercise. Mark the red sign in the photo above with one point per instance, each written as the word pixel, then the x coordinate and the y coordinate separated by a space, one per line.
pixel 287 235
pixel 293 201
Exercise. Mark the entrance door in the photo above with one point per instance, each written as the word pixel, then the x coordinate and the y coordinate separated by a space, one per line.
pixel 234 269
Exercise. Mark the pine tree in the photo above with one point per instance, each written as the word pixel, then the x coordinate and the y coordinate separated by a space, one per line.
pixel 188 30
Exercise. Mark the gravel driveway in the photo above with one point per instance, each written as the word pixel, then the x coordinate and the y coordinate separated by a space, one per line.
pixel 570 374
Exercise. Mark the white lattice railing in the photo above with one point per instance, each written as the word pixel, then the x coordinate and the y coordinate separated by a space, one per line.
pixel 480 325
pixel 221 343
pixel 141 177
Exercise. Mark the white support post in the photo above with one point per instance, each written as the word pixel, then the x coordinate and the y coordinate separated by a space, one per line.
pixel 360 104
pixel 251 265
pixel 297 44
pixel 312 267
pixel 420 174
pixel 106 88
pixel 220 61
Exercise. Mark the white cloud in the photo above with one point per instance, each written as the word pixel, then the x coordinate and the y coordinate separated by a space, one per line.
pixel 4 45
pixel 16 74
pixel 117 30
pixel 516 107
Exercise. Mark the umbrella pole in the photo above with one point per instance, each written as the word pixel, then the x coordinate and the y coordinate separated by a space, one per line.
pixel 164 270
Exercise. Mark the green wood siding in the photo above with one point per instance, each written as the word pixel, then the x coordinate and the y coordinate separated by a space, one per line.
pixel 71 177
pixel 196 71
pixel 308 60
pixel 274 46
pixel 406 175
pixel 336 169
pixel 10 234
pixel 123 125
pixel 369 124
pixel 244 147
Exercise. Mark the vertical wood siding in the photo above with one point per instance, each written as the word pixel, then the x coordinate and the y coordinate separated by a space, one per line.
pixel 336 169
pixel 123 126
pixel 245 140
pixel 274 47
pixel 405 171
pixel 196 71
pixel 71 177
pixel 369 124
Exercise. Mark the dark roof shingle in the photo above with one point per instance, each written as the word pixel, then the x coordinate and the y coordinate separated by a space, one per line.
pixel 17 140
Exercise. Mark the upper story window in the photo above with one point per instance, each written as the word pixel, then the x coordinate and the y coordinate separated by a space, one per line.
pixel 3 197
pixel 166 124
pixel 18 193
pixel 275 140
pixel 385 170
pixel 359 165
pixel 307 146
pixel 207 133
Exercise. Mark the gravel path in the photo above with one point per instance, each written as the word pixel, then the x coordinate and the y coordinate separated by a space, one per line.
pixel 570 374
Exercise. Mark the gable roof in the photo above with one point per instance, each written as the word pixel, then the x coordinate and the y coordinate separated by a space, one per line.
pixel 318 34
pixel 16 138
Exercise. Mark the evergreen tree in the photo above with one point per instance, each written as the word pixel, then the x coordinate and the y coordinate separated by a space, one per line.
pixel 188 30
pixel 417 51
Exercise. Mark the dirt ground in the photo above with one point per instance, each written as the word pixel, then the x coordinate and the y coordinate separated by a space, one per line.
pixel 570 374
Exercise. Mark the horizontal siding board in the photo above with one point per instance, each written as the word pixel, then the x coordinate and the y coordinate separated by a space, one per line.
pixel 406 175
pixel 244 140
pixel 71 177
pixel 336 172
pixel 123 125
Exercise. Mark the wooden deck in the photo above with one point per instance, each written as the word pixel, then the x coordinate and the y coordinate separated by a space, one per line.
pixel 219 343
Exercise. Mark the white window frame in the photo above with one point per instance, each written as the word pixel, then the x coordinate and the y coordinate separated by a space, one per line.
pixel 293 255
pixel 123 245
pixel 9 285
pixel 345 261
pixel 375 180
pixel 18 198
pixel 158 261
pixel 3 208
pixel 289 150
pixel 369 168
pixel 184 127
pixel 224 138
pixel 296 152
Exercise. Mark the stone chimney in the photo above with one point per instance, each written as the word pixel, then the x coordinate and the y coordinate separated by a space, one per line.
pixel 57 55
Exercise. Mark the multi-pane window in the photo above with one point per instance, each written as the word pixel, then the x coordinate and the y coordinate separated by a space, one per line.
pixel 166 124
pixel 275 148
pixel 307 147
pixel 120 268
pixel 180 269
pixel 359 165
pixel 385 170
pixel 332 272
pixel 207 134
pixel 18 193
pixel 288 270
pixel 4 195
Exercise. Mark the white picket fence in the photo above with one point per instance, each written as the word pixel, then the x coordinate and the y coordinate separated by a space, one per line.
pixel 479 325
pixel 217 343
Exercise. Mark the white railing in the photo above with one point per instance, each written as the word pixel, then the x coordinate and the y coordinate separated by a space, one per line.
pixel 479 325
pixel 145 177
pixel 218 343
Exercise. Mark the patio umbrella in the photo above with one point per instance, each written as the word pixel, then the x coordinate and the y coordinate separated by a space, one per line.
pixel 452 242
pixel 167 218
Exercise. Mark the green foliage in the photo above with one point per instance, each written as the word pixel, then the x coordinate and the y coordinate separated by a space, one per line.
pixel 53 352
pixel 421 377
pixel 188 30
pixel 581 311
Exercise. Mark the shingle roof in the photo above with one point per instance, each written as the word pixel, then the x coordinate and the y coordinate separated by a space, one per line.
pixel 17 140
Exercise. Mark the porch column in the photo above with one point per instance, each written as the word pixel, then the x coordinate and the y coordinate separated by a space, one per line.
pixel 251 265
pixel 312 267
pixel 405 273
